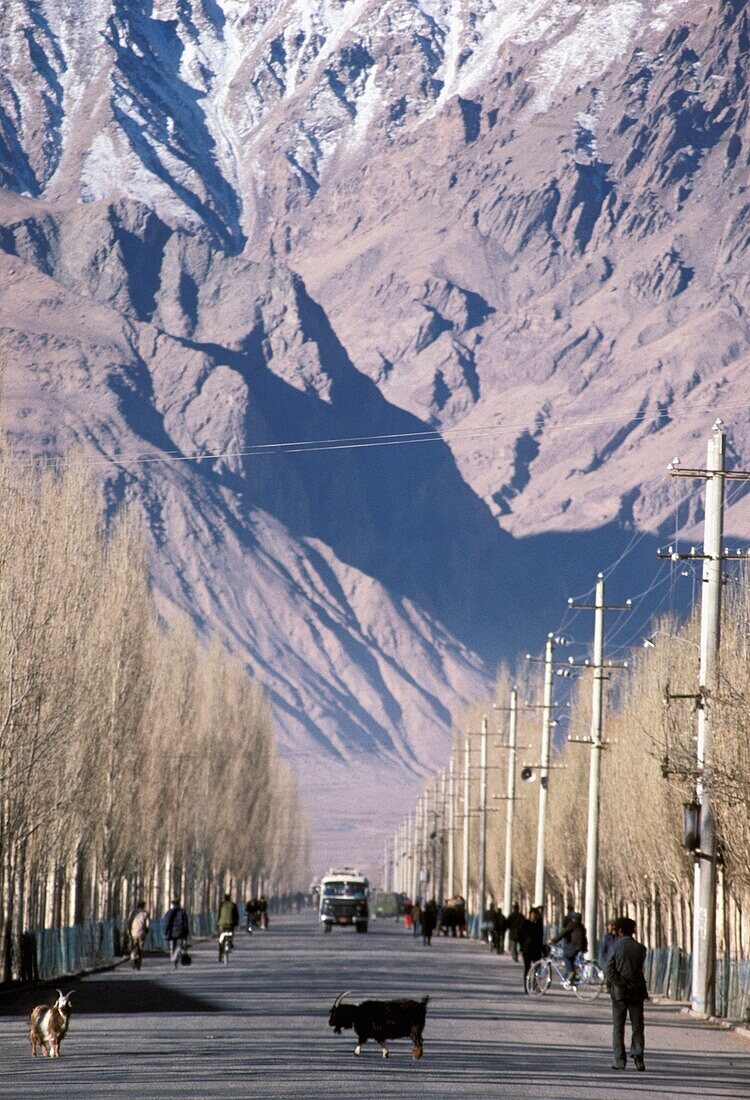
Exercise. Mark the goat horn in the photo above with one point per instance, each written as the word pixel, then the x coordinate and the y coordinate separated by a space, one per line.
pixel 60 994
pixel 340 998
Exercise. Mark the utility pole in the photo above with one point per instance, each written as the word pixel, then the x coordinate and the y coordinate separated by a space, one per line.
pixel 598 667
pixel 703 994
pixel 451 826
pixel 418 847
pixel 510 808
pixel 467 820
pixel 414 869
pixel 482 876
pixel 549 650
pixel 404 850
pixel 425 872
pixel 443 818
pixel 704 905
pixel 591 895
pixel 395 860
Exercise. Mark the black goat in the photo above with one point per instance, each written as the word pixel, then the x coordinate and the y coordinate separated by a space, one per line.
pixel 381 1020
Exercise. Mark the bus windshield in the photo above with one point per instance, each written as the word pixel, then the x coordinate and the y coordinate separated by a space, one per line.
pixel 344 890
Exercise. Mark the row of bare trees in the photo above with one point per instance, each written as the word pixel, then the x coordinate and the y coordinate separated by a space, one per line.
pixel 134 759
pixel 648 774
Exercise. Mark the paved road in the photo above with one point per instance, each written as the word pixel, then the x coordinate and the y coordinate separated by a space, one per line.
pixel 259 1029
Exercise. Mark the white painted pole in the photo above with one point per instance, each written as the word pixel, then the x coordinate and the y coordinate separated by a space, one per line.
pixel 703 998
pixel 482 876
pixel 443 820
pixel 544 770
pixel 510 809
pixel 452 827
pixel 467 821
pixel 592 837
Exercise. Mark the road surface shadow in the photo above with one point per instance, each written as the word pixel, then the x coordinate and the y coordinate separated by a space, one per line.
pixel 108 995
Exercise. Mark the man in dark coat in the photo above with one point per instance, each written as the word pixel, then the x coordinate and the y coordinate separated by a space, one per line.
pixel 429 921
pixel 532 941
pixel 515 924
pixel 176 931
pixel 624 972
pixel 499 924
pixel 608 942
pixel 574 939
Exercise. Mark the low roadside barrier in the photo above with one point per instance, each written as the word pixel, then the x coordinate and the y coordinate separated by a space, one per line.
pixel 57 952
pixel 733 989
pixel 669 974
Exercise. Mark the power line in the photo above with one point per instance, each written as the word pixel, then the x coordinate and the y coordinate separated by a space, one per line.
pixel 351 443
pixel 662 577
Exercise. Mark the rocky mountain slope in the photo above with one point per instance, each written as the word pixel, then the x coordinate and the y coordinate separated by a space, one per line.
pixel 517 230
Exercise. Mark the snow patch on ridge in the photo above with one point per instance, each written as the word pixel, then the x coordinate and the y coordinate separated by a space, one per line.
pixel 367 107
pixel 597 40
pixel 474 41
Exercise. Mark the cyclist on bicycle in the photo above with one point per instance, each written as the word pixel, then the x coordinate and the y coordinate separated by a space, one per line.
pixel 227 920
pixel 574 941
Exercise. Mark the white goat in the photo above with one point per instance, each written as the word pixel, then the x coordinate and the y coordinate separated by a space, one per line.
pixel 48 1025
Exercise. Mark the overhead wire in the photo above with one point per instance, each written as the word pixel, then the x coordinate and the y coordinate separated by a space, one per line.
pixel 435 435
pixel 675 569
pixel 661 578
pixel 360 442
pixel 627 644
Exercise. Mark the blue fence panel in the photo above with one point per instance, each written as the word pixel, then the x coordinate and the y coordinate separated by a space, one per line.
pixel 63 951
pixel 201 924
pixel 668 973
pixel 733 988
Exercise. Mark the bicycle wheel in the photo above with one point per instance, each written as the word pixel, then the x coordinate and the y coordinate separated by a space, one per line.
pixel 590 982
pixel 538 978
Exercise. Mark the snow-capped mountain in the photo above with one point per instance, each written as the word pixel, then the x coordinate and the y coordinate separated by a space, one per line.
pixel 227 226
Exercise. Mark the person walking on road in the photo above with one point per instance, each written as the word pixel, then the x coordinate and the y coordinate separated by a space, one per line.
pixel 429 921
pixel 515 925
pixel 608 942
pixel 575 942
pixel 461 915
pixel 624 972
pixel 532 941
pixel 251 908
pixel 176 931
pixel 608 945
pixel 416 918
pixel 138 926
pixel 499 924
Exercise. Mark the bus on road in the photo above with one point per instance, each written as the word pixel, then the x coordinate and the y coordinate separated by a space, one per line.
pixel 344 895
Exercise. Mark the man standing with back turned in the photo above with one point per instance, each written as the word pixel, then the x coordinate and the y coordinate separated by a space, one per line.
pixel 624 972
pixel 176 931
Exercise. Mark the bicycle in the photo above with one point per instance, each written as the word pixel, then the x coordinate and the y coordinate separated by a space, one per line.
pixel 226 943
pixel 587 980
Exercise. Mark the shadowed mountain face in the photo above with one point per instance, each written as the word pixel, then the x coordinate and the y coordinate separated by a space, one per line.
pixel 226 228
